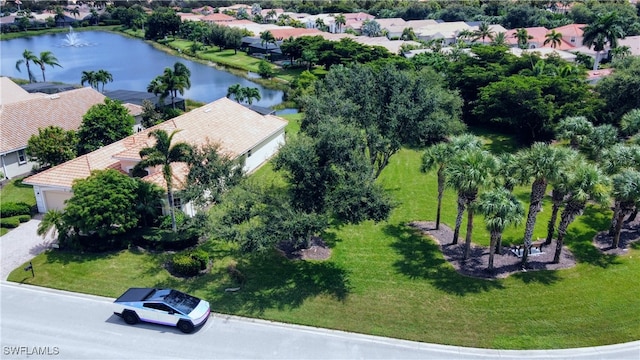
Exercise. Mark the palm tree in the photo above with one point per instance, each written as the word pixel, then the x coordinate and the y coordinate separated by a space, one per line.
pixel 467 173
pixel 149 195
pixel 94 16
pixel 523 38
pixel 75 12
pixel 251 94
pixel 320 25
pixel 540 163
pixel 499 39
pixel 587 183
pixel 52 224
pixel 236 90
pixel 163 153
pixel 59 15
pixel 439 155
pixel 484 31
pixel 554 38
pixel 576 129
pixel 27 57
pixel 626 192
pixel 500 209
pixel 266 37
pixel 559 192
pixel 89 77
pixel 605 29
pixel 103 76
pixel 171 82
pixel 271 15
pixel 46 58
pixel 408 34
pixel 340 21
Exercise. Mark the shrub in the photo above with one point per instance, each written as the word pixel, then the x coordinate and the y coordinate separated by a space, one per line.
pixel 166 220
pixel 24 218
pixel 264 70
pixel 190 263
pixel 14 209
pixel 160 239
pixel 10 223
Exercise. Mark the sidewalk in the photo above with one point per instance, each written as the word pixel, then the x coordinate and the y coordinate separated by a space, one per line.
pixel 21 245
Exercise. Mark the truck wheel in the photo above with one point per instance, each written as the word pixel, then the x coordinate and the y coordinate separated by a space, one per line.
pixel 130 317
pixel 185 326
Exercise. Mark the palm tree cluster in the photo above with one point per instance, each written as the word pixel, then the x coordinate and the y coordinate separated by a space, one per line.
pixel 173 81
pixel 484 184
pixel 605 29
pixel 243 93
pixel 95 78
pixel 46 58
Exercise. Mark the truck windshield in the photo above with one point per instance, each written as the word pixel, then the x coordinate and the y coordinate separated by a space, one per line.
pixel 182 302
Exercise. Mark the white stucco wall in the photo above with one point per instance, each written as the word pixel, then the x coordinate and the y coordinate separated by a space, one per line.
pixel 11 167
pixel 263 152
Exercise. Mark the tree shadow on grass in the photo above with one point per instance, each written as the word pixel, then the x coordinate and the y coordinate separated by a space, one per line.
pixel 274 282
pixel 580 238
pixel 66 257
pixel 422 259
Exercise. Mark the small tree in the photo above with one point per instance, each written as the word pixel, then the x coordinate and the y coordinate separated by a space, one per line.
pixel 104 124
pixel 265 70
pixel 52 146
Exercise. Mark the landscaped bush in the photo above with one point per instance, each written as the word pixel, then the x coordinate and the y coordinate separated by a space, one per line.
pixel 189 263
pixel 24 218
pixel 14 209
pixel 10 223
pixel 164 239
pixel 94 243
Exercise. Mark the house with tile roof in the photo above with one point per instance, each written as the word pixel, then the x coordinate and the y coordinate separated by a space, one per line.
pixel 22 114
pixel 537 34
pixel 572 34
pixel 241 133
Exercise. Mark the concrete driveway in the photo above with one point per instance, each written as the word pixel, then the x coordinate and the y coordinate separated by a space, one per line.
pixel 21 245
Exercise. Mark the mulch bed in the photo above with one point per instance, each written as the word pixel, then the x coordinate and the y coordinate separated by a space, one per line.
pixel 318 250
pixel 508 263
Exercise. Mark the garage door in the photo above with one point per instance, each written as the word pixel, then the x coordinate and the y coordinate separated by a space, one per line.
pixel 55 199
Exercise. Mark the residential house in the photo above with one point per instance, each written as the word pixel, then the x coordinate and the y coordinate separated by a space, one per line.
pixel 393 27
pixel 537 34
pixel 572 34
pixel 633 42
pixel 446 32
pixel 22 114
pixel 218 18
pixel 241 133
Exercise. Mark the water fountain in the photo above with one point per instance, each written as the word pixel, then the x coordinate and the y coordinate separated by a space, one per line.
pixel 73 40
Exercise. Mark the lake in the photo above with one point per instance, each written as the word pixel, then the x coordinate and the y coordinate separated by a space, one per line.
pixel 132 62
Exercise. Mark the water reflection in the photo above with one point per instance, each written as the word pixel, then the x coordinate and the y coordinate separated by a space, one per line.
pixel 132 62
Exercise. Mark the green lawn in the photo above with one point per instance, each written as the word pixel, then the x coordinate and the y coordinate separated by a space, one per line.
pixel 385 279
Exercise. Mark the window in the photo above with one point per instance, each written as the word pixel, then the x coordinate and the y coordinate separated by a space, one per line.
pixel 249 153
pixel 573 39
pixel 159 306
pixel 22 157
pixel 177 203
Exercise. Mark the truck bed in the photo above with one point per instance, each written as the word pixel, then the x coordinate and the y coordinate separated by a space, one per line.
pixel 135 294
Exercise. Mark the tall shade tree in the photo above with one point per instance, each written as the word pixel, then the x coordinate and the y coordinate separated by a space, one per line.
pixel 541 163
pixel 626 192
pixel 467 173
pixel 103 77
pixel 554 38
pixel 587 183
pixel 89 77
pixel 164 153
pixel 500 209
pixel 27 58
pixel 439 155
pixel 46 58
pixel 605 29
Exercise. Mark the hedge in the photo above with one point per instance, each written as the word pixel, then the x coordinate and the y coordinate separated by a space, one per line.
pixel 159 239
pixel 189 263
pixel 10 209
pixel 10 223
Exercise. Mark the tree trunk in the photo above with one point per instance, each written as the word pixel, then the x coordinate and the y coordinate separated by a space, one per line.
pixel 552 223
pixel 556 256
pixel 568 215
pixel 618 229
pixel 614 218
pixel 467 240
pixel 441 184
pixel 538 189
pixel 499 244
pixel 456 231
pixel 495 237
pixel 173 215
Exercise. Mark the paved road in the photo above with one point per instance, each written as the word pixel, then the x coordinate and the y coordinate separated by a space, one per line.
pixel 42 323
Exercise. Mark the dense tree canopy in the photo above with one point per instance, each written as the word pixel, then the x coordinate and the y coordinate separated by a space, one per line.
pixel 162 22
pixel 407 108
pixel 52 146
pixel 621 90
pixel 104 124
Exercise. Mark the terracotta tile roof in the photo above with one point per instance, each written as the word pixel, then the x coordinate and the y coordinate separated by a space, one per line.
pixel 537 35
pixel 294 32
pixel 236 128
pixel 218 17
pixel 21 119
pixel 571 30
